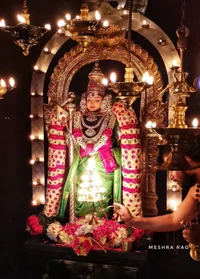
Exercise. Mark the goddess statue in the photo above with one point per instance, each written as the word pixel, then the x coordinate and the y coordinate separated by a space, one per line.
pixel 115 172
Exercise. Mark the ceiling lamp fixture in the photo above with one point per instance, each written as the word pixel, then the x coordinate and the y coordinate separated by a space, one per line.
pixel 86 31
pixel 24 34
pixel 178 135
pixel 129 90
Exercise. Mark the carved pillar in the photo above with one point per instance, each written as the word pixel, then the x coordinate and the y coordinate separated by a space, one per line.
pixel 149 191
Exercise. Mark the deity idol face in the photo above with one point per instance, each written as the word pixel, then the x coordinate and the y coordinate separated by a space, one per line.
pixel 93 102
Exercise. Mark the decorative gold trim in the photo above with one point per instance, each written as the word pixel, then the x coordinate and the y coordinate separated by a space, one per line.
pixel 151 103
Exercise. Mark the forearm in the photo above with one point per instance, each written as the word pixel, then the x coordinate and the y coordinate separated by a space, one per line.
pixel 164 223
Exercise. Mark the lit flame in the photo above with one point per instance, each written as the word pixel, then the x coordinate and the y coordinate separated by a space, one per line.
pixel 97 15
pixel 2 83
pixel 174 205
pixel 144 22
pixel 36 68
pixel 105 23
pixel 195 123
pixel 21 19
pixel 47 26
pixel 2 23
pixel 105 81
pixel 174 187
pixel 12 82
pixel 174 63
pixel 34 202
pixel 61 23
pixel 32 161
pixel 147 78
pixel 91 164
pixel 46 49
pixel 32 137
pixel 68 17
pixel 42 199
pixel 113 77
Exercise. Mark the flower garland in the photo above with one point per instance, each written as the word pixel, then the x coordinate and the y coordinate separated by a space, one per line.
pixel 83 237
pixel 131 154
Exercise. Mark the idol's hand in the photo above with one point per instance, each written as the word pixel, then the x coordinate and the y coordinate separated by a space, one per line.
pixel 192 234
pixel 123 212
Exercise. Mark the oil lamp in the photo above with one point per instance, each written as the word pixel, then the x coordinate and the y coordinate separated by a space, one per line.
pixel 4 87
pixel 24 34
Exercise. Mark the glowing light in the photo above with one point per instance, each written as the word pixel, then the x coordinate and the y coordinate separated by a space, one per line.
pixel 174 187
pixel 42 199
pixel 12 82
pixel 32 161
pixel 147 78
pixel 68 17
pixel 2 83
pixel 91 164
pixel 97 15
pixel 47 26
pixel 36 68
pixel 105 23
pixel 153 125
pixel 21 19
pixel 105 81
pixel 149 124
pixel 195 123
pixel 61 23
pixel 113 77
pixel 41 137
pixel 34 202
pixel 2 23
pixel 174 63
pixel 32 137
pixel 144 22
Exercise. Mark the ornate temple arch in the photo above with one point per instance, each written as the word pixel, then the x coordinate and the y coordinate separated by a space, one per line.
pixel 74 60
pixel 141 62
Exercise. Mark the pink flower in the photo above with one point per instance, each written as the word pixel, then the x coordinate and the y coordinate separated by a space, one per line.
pixel 82 245
pixel 138 233
pixel 33 225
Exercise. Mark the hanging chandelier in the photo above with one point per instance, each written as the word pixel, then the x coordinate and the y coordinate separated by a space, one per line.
pixel 178 135
pixel 24 34
pixel 85 30
pixel 129 90
pixel 4 87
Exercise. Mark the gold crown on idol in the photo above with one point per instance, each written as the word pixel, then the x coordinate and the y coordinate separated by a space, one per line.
pixel 95 85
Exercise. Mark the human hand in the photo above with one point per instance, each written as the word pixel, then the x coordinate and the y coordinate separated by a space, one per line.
pixel 192 234
pixel 124 213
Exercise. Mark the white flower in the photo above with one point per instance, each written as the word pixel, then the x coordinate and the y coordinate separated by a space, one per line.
pixel 53 230
pixel 85 229
pixel 121 233
pixel 63 237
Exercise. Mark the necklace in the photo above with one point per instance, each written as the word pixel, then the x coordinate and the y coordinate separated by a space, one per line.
pixel 90 129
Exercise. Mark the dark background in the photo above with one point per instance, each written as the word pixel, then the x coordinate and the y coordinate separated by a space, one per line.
pixel 15 125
